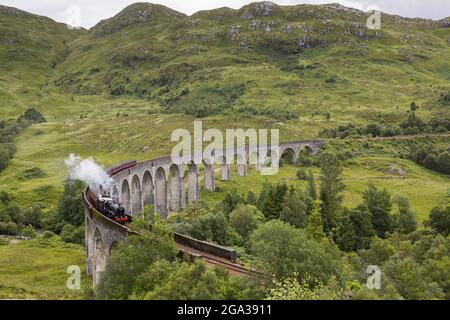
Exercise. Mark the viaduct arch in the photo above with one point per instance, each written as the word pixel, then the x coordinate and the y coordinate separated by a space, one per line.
pixel 168 186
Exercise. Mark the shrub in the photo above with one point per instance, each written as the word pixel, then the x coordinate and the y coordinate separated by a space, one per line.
pixel 33 173
pixel 406 219
pixel 70 206
pixel 294 209
pixel 138 254
pixel 33 115
pixel 8 228
pixel 71 234
pixel 301 174
pixel 244 219
pixel 211 227
pixel 440 220
pixel 48 234
pixel 285 251
pixel 28 232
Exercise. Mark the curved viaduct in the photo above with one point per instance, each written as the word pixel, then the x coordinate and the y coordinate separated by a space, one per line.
pixel 168 186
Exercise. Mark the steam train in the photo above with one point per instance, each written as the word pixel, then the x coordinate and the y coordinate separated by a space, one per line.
pixel 112 210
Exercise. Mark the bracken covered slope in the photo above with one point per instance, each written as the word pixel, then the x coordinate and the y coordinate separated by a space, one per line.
pixel 281 61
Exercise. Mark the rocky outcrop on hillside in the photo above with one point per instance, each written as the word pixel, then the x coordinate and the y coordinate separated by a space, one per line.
pixel 258 9
pixel 137 13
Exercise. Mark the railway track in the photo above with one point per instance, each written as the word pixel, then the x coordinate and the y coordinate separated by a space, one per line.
pixel 182 243
pixel 231 267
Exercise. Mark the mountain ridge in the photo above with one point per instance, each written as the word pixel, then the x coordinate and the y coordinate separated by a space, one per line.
pixel 278 60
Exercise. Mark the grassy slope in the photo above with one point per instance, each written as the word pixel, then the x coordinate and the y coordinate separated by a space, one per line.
pixel 424 188
pixel 407 60
pixel 368 86
pixel 30 47
pixel 36 269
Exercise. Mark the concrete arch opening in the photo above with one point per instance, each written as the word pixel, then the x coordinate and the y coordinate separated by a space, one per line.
pixel 99 255
pixel 288 156
pixel 253 159
pixel 136 196
pixel 208 171
pixel 225 169
pixel 161 192
pixel 126 195
pixel 193 183
pixel 113 247
pixel 242 167
pixel 148 189
pixel 307 150
pixel 175 187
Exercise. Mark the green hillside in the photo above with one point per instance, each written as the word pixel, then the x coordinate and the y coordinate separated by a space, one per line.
pixel 30 49
pixel 281 62
pixel 117 91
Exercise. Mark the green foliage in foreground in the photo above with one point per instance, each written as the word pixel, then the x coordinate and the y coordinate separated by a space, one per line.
pixel 147 267
pixel 176 280
pixel 283 250
pixel 36 269
pixel 440 220
pixel 130 260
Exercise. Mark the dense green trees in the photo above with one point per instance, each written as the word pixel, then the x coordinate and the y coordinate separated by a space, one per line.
pixel 17 220
pixel 432 157
pixel 212 226
pixel 283 251
pixel 10 129
pixel 379 204
pixel 440 220
pixel 354 229
pixel 406 219
pixel 70 206
pixel 295 211
pixel 175 280
pixel 130 260
pixel 411 125
pixel 331 189
pixel 312 190
pixel 293 289
pixel 270 200
pixel 244 219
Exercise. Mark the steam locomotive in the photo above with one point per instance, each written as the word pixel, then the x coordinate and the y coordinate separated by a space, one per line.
pixel 112 210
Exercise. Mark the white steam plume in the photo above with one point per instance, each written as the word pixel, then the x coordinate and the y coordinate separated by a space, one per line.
pixel 87 170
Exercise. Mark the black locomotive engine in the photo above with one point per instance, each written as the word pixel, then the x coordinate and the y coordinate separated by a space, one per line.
pixel 112 210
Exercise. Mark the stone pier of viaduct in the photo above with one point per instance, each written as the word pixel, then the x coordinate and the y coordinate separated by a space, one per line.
pixel 168 186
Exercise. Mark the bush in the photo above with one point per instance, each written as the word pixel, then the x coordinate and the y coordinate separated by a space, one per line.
pixel 33 115
pixel 71 234
pixel 285 251
pixel 212 227
pixel 301 174
pixel 48 234
pixel 8 228
pixel 244 219
pixel 130 260
pixel 295 211
pixel 33 173
pixel 28 232
pixel 33 216
pixel 190 281
pixel 70 206
pixel 440 220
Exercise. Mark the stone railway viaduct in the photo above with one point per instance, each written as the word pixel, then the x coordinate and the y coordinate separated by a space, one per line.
pixel 168 186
